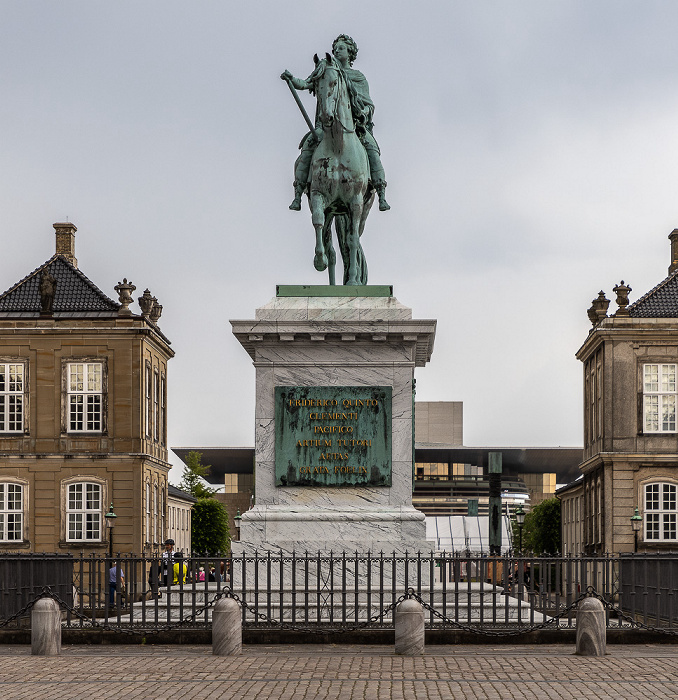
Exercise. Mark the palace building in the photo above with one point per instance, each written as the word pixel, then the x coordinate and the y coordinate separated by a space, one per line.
pixel 83 412
pixel 630 368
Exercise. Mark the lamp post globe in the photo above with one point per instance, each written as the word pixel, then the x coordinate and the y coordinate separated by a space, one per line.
pixel 237 519
pixel 110 523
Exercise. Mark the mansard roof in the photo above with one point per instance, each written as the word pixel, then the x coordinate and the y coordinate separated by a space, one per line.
pixel 660 302
pixel 75 294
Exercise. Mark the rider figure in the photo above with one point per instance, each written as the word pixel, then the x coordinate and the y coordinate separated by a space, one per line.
pixel 345 51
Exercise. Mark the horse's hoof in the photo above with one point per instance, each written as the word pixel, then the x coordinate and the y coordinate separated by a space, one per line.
pixel 296 205
pixel 383 205
pixel 320 262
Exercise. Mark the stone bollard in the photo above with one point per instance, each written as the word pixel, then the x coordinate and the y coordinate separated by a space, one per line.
pixel 591 628
pixel 46 628
pixel 226 628
pixel 409 628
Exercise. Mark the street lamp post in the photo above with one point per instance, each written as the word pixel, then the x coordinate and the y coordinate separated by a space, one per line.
pixel 110 522
pixel 520 520
pixel 237 520
pixel 636 522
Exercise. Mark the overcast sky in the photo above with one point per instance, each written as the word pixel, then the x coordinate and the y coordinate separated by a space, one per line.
pixel 530 150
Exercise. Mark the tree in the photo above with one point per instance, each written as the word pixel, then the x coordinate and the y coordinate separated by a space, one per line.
pixel 541 532
pixel 209 527
pixel 193 478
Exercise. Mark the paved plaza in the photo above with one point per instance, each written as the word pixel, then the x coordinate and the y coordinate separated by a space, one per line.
pixel 339 671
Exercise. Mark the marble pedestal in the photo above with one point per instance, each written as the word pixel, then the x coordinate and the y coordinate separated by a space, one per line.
pixel 302 339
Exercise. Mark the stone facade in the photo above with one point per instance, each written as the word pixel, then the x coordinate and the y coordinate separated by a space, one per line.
pixel 571 508
pixel 89 389
pixel 630 434
pixel 179 506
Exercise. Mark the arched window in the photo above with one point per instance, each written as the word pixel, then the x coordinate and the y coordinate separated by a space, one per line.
pixel 148 512
pixel 84 498
pixel 163 524
pixel 661 512
pixel 156 539
pixel 12 506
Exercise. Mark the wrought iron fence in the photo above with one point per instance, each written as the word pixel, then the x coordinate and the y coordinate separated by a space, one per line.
pixel 342 592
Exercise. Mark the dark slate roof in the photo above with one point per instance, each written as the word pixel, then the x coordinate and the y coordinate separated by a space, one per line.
pixel 660 302
pixel 179 493
pixel 75 294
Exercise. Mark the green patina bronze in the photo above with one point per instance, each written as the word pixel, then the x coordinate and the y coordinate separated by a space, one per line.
pixel 339 167
pixel 333 436
pixel 317 290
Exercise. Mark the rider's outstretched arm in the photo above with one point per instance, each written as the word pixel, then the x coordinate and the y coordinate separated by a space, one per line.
pixel 297 83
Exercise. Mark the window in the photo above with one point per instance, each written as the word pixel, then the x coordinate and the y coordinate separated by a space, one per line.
pixel 593 398
pixel 163 414
pixel 148 512
pixel 83 512
pixel 163 529
pixel 149 404
pixel 660 512
pixel 155 513
pixel 11 512
pixel 12 397
pixel 85 397
pixel 156 406
pixel 659 398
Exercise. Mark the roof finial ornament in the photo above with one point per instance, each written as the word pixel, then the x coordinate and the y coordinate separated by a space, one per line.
pixel 124 290
pixel 598 310
pixel 156 311
pixel 146 303
pixel 622 291
pixel 673 237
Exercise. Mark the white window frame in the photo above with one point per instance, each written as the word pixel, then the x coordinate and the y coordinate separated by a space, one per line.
pixel 13 509
pixel 660 397
pixel 87 392
pixel 79 514
pixel 13 396
pixel 660 511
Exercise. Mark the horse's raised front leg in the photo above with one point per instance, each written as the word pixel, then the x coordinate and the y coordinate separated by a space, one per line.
pixel 318 218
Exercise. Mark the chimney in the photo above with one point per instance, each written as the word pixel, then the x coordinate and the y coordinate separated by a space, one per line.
pixel 65 241
pixel 673 237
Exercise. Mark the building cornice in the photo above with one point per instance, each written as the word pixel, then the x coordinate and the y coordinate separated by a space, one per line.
pixel 639 459
pixel 636 330
pixel 89 326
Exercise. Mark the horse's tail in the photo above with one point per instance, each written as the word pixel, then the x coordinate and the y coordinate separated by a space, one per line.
pixel 342 223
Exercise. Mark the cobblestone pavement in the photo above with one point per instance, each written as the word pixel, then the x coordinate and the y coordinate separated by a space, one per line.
pixel 342 672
